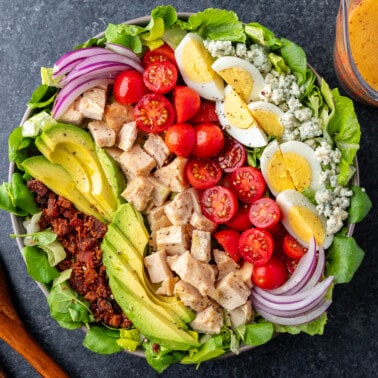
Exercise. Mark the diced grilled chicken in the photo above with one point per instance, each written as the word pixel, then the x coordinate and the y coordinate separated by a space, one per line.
pixel 190 296
pixel 224 263
pixel 127 136
pixel 114 152
pixel 232 292
pixel 137 162
pixel 157 220
pixel 103 135
pixel 179 210
pixel 210 320
pixel 116 115
pixel 157 267
pixel 173 239
pixel 201 245
pixel 198 274
pixel 138 192
pixel 92 103
pixel 167 286
pixel 245 273
pixel 241 315
pixel 173 174
pixel 73 115
pixel 156 148
pixel 160 192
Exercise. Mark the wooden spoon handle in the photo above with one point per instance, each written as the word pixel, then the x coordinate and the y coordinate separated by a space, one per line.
pixel 20 340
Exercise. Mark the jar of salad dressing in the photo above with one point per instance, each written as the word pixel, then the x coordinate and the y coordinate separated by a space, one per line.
pixel 356 49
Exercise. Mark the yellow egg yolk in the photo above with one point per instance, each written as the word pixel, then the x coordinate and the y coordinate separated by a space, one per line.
pixel 239 79
pixel 306 224
pixel 277 173
pixel 299 170
pixel 268 122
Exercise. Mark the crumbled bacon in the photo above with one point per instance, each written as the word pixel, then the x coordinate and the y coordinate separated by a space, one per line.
pixel 81 236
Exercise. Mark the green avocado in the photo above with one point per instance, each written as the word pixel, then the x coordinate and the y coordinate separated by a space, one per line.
pixel 41 169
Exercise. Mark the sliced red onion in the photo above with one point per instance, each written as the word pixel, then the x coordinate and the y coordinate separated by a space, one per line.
pixel 296 320
pixel 122 50
pixel 318 272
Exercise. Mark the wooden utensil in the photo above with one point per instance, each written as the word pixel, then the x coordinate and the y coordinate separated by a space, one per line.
pixel 15 335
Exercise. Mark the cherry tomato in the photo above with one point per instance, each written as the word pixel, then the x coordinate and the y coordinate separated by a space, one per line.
pixel 129 87
pixel 154 113
pixel 163 53
pixel 219 204
pixel 291 264
pixel 206 113
pixel 228 239
pixel 248 184
pixel 203 173
pixel 240 221
pixel 271 275
pixel 186 102
pixel 180 139
pixel 160 77
pixel 256 246
pixel 210 140
pixel 264 213
pixel 233 155
pixel 292 247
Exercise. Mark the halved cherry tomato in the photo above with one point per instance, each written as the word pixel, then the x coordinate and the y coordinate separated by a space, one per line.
pixel 240 221
pixel 264 212
pixel 186 102
pixel 160 77
pixel 160 54
pixel 291 264
pixel 256 246
pixel 233 155
pixel 180 139
pixel 154 113
pixel 271 275
pixel 219 204
pixel 292 247
pixel 248 184
pixel 129 87
pixel 228 239
pixel 206 113
pixel 203 173
pixel 210 140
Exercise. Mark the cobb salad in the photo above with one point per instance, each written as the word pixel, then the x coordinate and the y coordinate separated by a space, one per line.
pixel 187 188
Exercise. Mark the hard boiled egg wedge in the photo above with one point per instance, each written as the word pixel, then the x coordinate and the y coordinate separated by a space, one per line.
pixel 290 165
pixel 301 219
pixel 237 120
pixel 194 62
pixel 242 75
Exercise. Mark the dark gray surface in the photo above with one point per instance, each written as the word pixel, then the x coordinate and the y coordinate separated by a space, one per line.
pixel 36 33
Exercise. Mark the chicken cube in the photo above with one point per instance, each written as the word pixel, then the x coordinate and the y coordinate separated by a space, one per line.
pixel 116 115
pixel 157 267
pixel 156 147
pixel 160 192
pixel 156 219
pixel 173 239
pixel 241 315
pixel 72 115
pixel 173 174
pixel 224 263
pixel 113 152
pixel 137 162
pixel 190 296
pixel 103 135
pixel 180 208
pixel 127 136
pixel 201 245
pixel 209 321
pixel 138 192
pixel 92 103
pixel 245 273
pixel 167 286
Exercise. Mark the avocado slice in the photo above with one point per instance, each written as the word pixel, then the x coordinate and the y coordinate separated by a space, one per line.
pixel 41 169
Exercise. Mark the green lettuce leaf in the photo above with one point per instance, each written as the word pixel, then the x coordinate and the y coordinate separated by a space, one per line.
pixel 316 327
pixel 360 205
pixel 102 340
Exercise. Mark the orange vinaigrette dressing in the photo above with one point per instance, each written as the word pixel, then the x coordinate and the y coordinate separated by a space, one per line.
pixel 363 36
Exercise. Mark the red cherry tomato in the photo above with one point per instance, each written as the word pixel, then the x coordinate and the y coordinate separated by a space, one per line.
pixel 256 246
pixel 163 53
pixel 180 139
pixel 154 113
pixel 228 239
pixel 206 113
pixel 292 247
pixel 233 155
pixel 186 102
pixel 129 87
pixel 210 140
pixel 291 264
pixel 271 275
pixel 248 184
pixel 203 173
pixel 240 221
pixel 219 204
pixel 160 77
pixel 264 213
